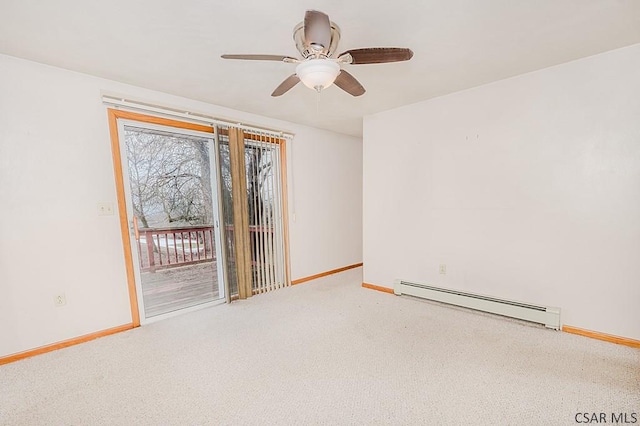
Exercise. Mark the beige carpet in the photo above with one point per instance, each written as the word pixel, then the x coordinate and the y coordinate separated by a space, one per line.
pixel 325 352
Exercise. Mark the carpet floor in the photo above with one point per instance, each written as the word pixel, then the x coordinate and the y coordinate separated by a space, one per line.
pixel 326 352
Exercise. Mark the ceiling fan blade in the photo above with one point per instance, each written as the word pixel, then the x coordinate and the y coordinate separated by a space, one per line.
pixel 317 30
pixel 349 84
pixel 260 57
pixel 378 55
pixel 286 85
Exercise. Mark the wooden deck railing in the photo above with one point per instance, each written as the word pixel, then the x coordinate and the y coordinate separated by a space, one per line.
pixel 161 248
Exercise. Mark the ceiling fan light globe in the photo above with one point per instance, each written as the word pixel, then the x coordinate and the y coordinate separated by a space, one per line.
pixel 318 74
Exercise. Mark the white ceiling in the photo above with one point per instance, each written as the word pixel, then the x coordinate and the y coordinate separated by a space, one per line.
pixel 175 46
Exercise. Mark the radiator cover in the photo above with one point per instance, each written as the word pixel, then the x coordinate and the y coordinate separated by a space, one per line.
pixel 548 316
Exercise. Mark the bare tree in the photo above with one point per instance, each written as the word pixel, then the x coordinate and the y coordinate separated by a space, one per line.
pixel 170 177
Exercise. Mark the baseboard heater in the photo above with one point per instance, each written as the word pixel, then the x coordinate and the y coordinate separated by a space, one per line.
pixel 549 317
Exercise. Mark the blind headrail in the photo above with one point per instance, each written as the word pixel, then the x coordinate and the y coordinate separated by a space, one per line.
pixel 192 116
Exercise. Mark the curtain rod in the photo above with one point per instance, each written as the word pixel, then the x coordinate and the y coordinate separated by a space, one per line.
pixel 123 102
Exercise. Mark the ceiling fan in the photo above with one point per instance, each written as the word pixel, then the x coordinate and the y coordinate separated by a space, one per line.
pixel 316 39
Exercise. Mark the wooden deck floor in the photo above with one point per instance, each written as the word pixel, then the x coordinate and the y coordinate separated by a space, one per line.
pixel 172 289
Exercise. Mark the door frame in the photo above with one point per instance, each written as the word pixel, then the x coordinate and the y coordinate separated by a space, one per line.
pixel 114 116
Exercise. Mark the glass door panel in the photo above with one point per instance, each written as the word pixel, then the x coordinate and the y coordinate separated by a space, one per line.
pixel 172 205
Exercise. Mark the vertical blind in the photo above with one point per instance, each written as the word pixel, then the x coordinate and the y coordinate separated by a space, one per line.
pixel 266 225
pixel 263 173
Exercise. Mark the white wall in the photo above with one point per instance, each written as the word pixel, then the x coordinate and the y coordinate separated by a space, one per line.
pixel 527 189
pixel 327 205
pixel 56 165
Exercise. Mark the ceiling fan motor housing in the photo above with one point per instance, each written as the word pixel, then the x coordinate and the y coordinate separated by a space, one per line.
pixel 307 50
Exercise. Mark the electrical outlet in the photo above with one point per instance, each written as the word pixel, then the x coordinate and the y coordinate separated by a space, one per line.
pixel 59 299
pixel 443 268
pixel 105 209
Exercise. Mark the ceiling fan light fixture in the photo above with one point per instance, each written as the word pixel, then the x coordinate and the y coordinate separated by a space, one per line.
pixel 318 74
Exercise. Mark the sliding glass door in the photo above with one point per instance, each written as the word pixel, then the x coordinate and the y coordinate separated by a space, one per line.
pixel 171 191
pixel 202 212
